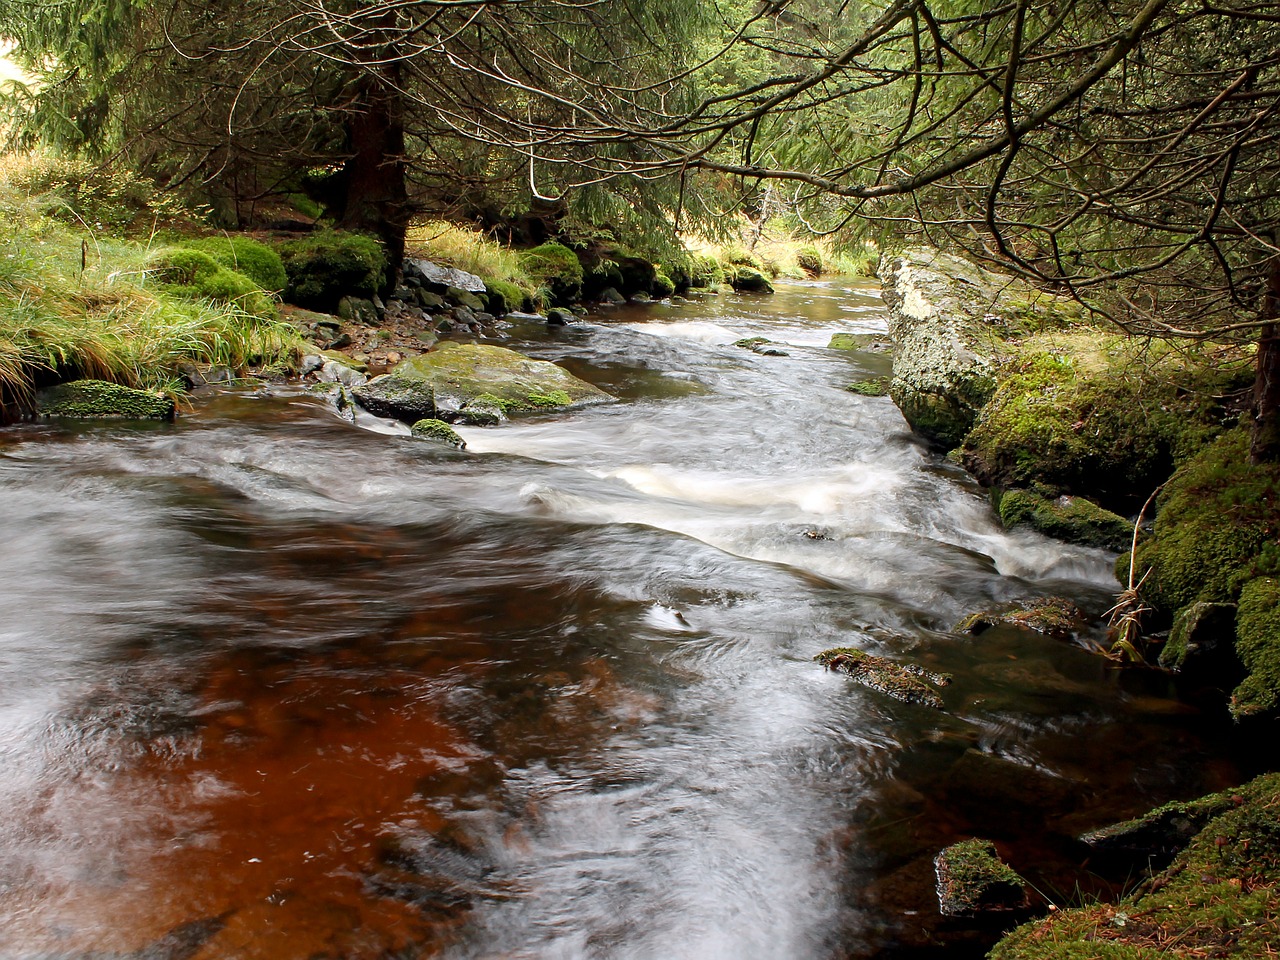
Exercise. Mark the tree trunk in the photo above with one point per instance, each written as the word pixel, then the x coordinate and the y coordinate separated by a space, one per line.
pixel 376 197
pixel 1264 443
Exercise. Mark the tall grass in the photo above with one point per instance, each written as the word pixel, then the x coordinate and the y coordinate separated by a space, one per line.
pixel 75 303
pixel 470 250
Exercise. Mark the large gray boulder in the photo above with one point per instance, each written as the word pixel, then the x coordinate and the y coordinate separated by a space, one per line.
pixel 442 276
pixel 457 379
pixel 949 319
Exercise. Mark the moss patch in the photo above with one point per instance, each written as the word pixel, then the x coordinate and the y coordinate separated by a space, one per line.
pixel 1258 646
pixel 1073 519
pixel 195 275
pixel 437 431
pixel 973 879
pixel 1219 898
pixel 325 267
pixel 872 387
pixel 257 261
pixel 100 400
pixel 902 681
pixel 504 297
pixel 1217 527
pixel 1052 616
pixel 557 268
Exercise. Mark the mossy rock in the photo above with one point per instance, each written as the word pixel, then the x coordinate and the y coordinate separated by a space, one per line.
pixel 325 267
pixel 846 341
pixel 437 431
pixel 1202 641
pixel 464 299
pixel 257 261
pixel 809 259
pixel 705 271
pixel 663 285
pixel 100 400
pixel 1258 647
pixel 557 268
pixel 504 297
pixel 449 379
pixel 1159 835
pixel 1215 528
pixel 1052 616
pixel 972 879
pixel 1073 519
pixel 871 387
pixel 1220 897
pixel 195 275
pixel 749 280
pixel 907 682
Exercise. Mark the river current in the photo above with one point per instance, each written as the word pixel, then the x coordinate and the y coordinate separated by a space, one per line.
pixel 273 685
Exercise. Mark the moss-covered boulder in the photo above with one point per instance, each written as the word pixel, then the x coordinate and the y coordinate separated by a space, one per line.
pixel 437 431
pixel 325 267
pixel 746 279
pixel 257 261
pixel 972 879
pixel 195 275
pixel 557 268
pixel 100 400
pixel 1052 616
pixel 455 377
pixel 1073 519
pixel 949 320
pixel 907 682
pixel 1219 898
pixel 1215 529
pixel 504 297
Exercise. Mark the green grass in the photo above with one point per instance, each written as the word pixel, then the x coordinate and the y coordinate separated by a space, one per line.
pixel 76 303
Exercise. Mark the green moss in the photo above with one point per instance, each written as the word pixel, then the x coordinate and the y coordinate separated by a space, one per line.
pixel 871 387
pixel 504 297
pixel 705 271
pixel 325 267
pixel 438 431
pixel 195 275
pixel 902 681
pixel 257 261
pixel 556 267
pixel 973 879
pixel 663 285
pixel 1219 898
pixel 1054 616
pixel 809 259
pixel 1216 528
pixel 1073 519
pixel 1258 646
pixel 749 279
pixel 846 341
pixel 98 399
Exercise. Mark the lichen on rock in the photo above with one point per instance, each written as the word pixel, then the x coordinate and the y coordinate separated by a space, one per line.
pixel 902 681
pixel 972 879
pixel 101 400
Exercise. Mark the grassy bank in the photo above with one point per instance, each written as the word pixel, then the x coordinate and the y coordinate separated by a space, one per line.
pixel 80 295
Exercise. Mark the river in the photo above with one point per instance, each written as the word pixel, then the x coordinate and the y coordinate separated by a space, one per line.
pixel 273 685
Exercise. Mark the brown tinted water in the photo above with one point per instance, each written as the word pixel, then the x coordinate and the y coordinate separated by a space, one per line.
pixel 276 686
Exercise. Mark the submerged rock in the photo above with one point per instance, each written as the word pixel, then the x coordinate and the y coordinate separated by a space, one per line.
pixel 902 681
pixel 972 879
pixel 1054 616
pixel 100 400
pixel 871 387
pixel 457 377
pixel 761 345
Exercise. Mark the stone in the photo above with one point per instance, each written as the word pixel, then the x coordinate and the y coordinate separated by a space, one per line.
pixel 338 342
pixel 1202 642
pixel 949 319
pixel 611 295
pixel 358 310
pixel 453 377
pixel 1073 519
pixel 902 681
pixel 465 316
pixel 437 431
pixel 431 302
pixel 443 276
pixel 1053 616
pixel 557 317
pixel 462 298
pixel 972 879
pixel 101 400
pixel 1159 835
pixel 761 345
pixel 335 372
pixel 750 280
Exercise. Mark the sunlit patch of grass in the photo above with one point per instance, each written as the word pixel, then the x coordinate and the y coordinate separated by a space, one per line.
pixel 470 250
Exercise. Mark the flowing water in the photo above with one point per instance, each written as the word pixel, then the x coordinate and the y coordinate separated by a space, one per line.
pixel 277 686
